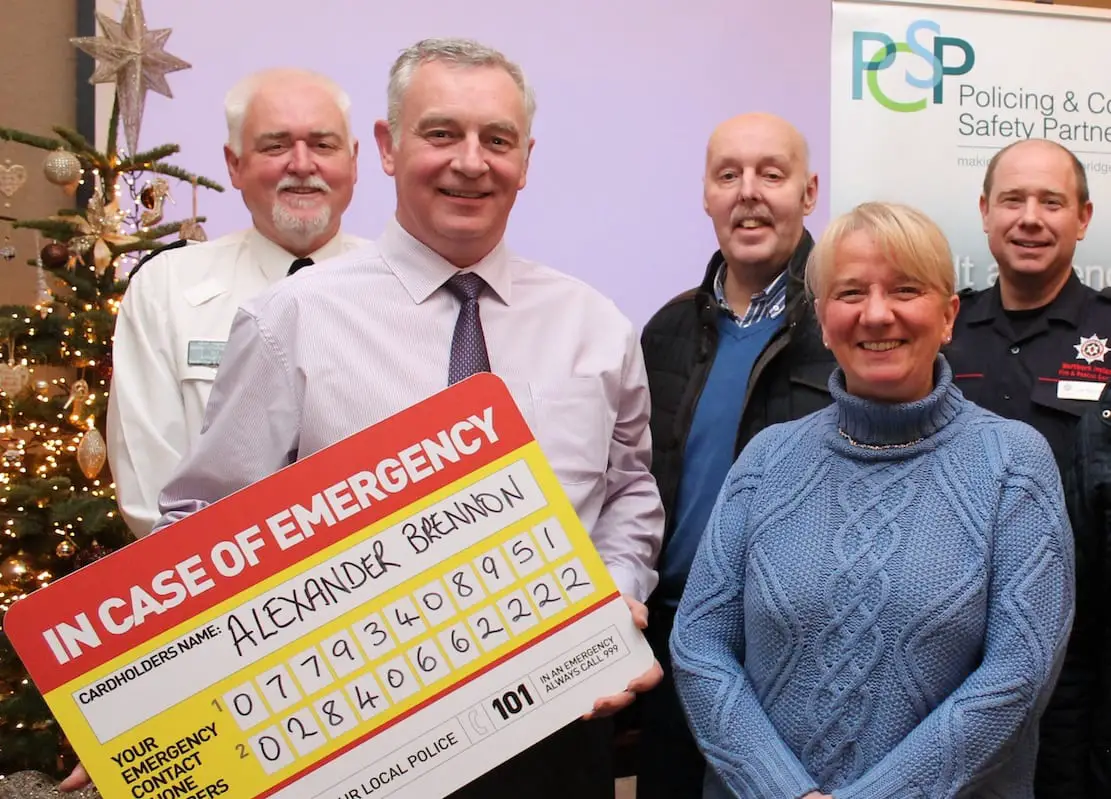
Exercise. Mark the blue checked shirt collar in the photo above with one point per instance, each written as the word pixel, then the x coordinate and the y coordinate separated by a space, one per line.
pixel 766 304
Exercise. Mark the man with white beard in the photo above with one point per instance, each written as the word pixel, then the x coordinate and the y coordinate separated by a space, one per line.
pixel 291 154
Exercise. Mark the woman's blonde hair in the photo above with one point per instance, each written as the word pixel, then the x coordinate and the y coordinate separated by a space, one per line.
pixel 912 243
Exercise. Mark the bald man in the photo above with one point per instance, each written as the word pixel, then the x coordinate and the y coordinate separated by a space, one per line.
pixel 725 360
pixel 1034 347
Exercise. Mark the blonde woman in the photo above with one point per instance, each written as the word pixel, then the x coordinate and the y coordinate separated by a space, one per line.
pixel 881 602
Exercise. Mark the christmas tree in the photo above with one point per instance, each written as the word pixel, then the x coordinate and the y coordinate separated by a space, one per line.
pixel 57 502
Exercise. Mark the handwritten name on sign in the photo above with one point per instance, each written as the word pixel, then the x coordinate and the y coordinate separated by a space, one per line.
pixel 416 591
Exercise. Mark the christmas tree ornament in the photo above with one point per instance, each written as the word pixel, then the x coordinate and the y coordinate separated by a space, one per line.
pixel 78 393
pixel 133 57
pixel 14 570
pixel 91 452
pixel 152 194
pixel 15 378
pixel 152 197
pixel 54 255
pixel 65 548
pixel 44 297
pixel 11 449
pixel 191 229
pixel 97 230
pixel 12 177
pixel 90 554
pixel 7 249
pixel 62 168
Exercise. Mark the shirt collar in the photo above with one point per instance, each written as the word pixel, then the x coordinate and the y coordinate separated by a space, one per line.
pixel 274 260
pixel 778 286
pixel 1065 307
pixel 422 271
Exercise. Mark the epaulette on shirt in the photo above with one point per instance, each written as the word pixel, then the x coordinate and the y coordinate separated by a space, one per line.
pixel 970 297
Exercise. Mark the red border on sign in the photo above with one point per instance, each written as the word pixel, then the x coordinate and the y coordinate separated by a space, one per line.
pixel 137 564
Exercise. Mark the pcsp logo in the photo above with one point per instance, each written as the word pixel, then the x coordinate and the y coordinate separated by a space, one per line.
pixel 868 63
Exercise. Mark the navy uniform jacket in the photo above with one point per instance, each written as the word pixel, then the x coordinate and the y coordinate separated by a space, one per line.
pixel 1048 375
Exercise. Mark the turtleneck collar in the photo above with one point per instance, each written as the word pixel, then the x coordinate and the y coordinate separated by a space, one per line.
pixel 879 424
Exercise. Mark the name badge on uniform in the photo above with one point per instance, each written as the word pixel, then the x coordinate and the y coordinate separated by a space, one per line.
pixel 1079 390
pixel 206 353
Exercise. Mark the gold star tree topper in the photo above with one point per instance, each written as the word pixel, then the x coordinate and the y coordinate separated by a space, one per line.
pixel 132 57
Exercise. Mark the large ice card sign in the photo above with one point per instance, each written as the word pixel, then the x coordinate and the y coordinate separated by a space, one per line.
pixel 392 616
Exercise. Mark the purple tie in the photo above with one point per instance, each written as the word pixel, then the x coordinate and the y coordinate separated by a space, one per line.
pixel 468 344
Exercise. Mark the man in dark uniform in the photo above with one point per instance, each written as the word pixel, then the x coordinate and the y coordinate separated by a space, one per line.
pixel 1034 347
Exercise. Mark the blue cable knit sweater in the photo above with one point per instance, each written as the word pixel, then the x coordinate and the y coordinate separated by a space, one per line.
pixel 879 622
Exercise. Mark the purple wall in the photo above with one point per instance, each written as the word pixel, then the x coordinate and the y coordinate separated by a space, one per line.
pixel 628 92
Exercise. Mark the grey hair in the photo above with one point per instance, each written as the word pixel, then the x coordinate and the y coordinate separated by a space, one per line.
pixel 461 52
pixel 239 97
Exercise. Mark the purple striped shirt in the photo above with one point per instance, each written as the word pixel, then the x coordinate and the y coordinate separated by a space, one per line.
pixel 358 338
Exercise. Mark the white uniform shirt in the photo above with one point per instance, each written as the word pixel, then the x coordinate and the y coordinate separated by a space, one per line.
pixel 336 349
pixel 170 334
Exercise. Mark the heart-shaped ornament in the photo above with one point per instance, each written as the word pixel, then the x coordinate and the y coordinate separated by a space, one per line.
pixel 14 379
pixel 12 179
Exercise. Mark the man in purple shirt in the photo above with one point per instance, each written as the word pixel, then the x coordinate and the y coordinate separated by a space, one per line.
pixel 330 351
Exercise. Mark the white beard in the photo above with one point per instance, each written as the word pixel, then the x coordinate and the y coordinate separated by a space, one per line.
pixel 300 228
